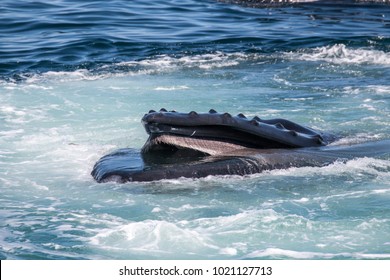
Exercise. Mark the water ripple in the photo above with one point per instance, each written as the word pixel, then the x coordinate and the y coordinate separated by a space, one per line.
pixel 41 36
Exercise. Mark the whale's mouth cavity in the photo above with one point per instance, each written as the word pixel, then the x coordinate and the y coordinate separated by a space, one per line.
pixel 202 140
pixel 189 146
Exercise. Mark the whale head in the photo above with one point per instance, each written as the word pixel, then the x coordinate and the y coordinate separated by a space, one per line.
pixel 216 133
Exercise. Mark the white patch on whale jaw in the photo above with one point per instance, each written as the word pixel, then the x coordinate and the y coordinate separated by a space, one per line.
pixel 207 146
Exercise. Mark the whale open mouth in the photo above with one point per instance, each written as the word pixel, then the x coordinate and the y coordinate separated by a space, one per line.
pixel 214 133
pixel 194 145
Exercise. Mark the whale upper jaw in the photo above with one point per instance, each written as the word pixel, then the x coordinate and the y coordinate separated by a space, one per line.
pixel 215 133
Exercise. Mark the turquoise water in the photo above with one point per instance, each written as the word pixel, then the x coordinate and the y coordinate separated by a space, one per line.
pixel 76 78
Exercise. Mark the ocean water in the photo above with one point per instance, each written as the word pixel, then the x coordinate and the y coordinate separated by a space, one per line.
pixel 77 76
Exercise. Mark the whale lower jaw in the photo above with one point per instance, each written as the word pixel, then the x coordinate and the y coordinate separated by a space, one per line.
pixel 174 143
pixel 127 165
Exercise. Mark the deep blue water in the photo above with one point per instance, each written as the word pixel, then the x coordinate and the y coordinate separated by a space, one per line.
pixel 77 76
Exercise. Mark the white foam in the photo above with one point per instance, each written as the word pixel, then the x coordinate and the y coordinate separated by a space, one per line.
pixel 172 88
pixel 357 138
pixel 15 115
pixel 277 253
pixel 380 89
pixel 302 200
pixel 228 251
pixel 64 76
pixel 151 236
pixel 340 54
pixel 217 235
pixel 381 191
pixel 371 224
pixel 154 65
pixel 156 210
pixel 337 54
pixel 186 207
pixel 240 223
pixel 36 185
pixel 203 61
pixel 11 133
pixel 355 167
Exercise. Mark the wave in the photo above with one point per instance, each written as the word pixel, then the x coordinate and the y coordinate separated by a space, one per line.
pixel 341 54
pixel 250 234
pixel 369 167
pixel 204 61
pixel 334 54
pixel 154 65
pixel 72 36
pixel 152 237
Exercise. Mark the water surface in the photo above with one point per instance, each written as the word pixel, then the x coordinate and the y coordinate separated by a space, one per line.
pixel 76 78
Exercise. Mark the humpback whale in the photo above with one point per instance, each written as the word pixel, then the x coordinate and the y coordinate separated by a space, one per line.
pixel 195 145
